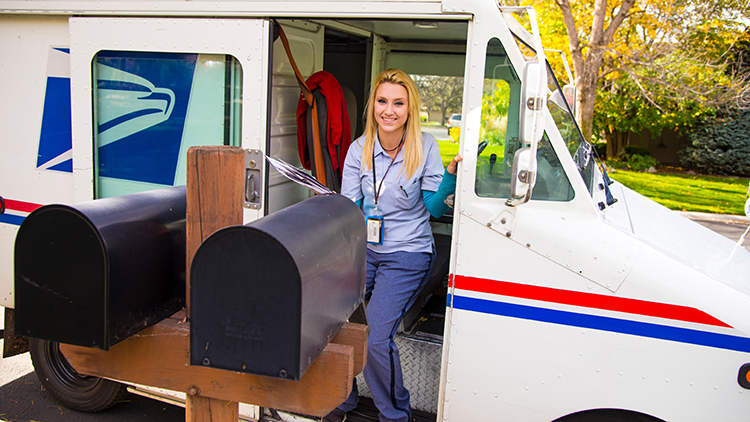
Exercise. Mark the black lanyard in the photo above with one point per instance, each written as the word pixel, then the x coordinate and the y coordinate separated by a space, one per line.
pixel 374 178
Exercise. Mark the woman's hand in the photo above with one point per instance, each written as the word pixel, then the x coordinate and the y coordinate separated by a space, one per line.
pixel 453 165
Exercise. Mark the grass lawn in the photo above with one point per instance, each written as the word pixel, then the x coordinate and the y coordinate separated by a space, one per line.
pixel 448 150
pixel 683 192
pixel 676 191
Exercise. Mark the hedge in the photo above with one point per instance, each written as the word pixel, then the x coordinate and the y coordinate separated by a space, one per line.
pixel 721 146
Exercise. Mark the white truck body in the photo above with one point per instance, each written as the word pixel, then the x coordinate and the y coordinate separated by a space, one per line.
pixel 559 306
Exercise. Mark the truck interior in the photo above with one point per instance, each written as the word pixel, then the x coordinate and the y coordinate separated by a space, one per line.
pixel 356 50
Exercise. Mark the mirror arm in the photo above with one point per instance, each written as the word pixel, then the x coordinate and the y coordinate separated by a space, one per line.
pixel 527 177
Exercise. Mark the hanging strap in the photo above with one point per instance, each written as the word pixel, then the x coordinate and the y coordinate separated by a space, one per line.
pixel 320 172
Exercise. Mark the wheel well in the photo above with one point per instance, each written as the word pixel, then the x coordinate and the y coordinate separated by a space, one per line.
pixel 608 415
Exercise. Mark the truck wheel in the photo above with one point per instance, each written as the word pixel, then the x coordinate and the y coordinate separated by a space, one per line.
pixel 75 391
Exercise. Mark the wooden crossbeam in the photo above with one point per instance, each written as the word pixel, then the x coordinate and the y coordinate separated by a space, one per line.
pixel 159 356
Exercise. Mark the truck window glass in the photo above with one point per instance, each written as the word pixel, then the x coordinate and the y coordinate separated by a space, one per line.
pixel 498 139
pixel 149 108
pixel 581 151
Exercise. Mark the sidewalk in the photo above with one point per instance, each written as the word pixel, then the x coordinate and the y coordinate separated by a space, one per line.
pixel 730 226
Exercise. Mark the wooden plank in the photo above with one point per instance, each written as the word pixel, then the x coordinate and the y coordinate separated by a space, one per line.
pixel 354 335
pixel 13 344
pixel 159 356
pixel 199 409
pixel 215 195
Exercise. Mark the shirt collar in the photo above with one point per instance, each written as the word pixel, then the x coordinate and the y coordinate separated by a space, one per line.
pixel 378 149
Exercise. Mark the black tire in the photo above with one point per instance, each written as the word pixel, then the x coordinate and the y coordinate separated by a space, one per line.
pixel 68 387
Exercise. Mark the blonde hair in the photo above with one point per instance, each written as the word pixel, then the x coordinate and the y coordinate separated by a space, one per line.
pixel 413 154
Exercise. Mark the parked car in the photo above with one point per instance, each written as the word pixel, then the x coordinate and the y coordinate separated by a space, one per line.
pixel 454 121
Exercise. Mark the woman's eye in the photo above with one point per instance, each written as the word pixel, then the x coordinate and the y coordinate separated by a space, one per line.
pixel 381 101
pixel 399 103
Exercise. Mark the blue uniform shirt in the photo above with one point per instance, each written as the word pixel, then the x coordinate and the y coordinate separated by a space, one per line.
pixel 400 203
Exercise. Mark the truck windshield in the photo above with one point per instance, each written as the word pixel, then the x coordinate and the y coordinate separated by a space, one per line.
pixel 560 107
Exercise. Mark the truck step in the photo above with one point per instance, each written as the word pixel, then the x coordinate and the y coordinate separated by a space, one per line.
pixel 367 412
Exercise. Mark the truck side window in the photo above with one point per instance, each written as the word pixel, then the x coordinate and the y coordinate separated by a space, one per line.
pixel 498 139
pixel 149 108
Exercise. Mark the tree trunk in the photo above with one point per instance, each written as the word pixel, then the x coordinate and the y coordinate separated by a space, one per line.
pixel 587 69
pixel 587 79
pixel 616 142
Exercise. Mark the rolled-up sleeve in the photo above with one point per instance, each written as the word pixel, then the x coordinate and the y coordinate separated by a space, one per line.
pixel 351 184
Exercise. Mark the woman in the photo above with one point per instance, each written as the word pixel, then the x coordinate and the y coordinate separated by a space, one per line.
pixel 395 174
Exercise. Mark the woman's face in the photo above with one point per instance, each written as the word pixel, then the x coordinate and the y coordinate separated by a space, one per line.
pixel 391 107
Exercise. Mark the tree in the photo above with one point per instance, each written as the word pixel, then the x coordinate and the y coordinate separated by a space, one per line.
pixel 677 69
pixel 440 92
pixel 587 68
pixel 651 65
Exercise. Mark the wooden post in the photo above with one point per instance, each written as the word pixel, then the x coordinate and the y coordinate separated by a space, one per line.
pixel 199 408
pixel 215 190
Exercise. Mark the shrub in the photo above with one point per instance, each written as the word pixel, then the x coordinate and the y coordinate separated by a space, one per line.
pixel 637 149
pixel 455 134
pixel 720 147
pixel 632 161
pixel 601 149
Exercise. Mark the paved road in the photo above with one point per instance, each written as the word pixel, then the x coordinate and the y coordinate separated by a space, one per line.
pixel 731 226
pixel 23 399
pixel 439 132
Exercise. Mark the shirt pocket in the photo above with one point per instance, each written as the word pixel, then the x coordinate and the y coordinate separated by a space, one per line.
pixel 407 195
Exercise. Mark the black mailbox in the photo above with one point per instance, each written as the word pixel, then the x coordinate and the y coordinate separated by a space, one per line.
pixel 266 297
pixel 95 273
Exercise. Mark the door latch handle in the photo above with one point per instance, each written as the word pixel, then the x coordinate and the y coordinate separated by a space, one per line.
pixel 253 179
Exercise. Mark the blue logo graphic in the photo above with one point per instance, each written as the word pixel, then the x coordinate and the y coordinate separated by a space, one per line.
pixel 141 102
pixel 55 140
pixel 141 106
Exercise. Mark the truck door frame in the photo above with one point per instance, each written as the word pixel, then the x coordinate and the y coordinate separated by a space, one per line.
pixel 248 40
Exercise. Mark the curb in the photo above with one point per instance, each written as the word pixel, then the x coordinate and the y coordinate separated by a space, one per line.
pixel 728 219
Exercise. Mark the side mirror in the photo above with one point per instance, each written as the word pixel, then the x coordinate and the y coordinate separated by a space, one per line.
pixel 570 96
pixel 523 177
pixel 534 96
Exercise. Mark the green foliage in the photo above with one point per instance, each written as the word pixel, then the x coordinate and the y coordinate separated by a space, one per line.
pixel 441 93
pixel 495 137
pixel 637 149
pixel 721 146
pixel 495 104
pixel 634 157
pixel 668 64
pixel 635 162
pixel 601 149
pixel 682 192
pixel 622 107
pixel 448 150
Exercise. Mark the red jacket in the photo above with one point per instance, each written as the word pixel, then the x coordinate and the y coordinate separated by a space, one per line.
pixel 338 131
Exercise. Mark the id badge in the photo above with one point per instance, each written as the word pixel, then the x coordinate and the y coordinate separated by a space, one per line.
pixel 375 230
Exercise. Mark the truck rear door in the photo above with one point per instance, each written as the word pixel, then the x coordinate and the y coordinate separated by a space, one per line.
pixel 144 90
